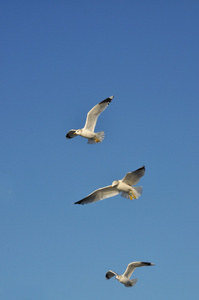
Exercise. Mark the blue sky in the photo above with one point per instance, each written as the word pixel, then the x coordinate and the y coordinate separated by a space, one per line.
pixel 59 59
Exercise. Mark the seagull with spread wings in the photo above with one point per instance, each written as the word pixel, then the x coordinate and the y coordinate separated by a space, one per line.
pixel 123 186
pixel 125 278
pixel 91 120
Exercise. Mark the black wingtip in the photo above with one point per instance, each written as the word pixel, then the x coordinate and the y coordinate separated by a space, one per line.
pixel 108 100
pixel 68 136
pixel 148 263
pixel 107 276
pixel 142 168
pixel 79 202
pixel 110 274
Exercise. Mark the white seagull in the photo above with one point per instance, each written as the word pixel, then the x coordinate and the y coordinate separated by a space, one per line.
pixel 91 120
pixel 125 278
pixel 123 186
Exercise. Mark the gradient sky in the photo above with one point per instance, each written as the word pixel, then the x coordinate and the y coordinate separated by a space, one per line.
pixel 59 59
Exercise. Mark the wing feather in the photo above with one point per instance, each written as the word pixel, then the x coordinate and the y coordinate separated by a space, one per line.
pixel 71 134
pixel 132 178
pixel 94 113
pixel 132 266
pixel 110 274
pixel 99 194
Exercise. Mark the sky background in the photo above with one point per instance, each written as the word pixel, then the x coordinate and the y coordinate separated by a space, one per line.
pixel 58 60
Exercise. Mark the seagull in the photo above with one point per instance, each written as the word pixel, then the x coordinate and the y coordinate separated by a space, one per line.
pixel 91 120
pixel 125 278
pixel 123 186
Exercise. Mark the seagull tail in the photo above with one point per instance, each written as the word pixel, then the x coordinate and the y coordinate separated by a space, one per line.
pixel 137 191
pixel 99 136
pixel 131 282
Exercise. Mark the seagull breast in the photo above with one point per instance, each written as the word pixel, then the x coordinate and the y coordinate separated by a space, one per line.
pixel 123 187
pixel 87 133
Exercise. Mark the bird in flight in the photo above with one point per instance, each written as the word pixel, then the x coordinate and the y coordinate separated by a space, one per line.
pixel 125 278
pixel 123 186
pixel 91 120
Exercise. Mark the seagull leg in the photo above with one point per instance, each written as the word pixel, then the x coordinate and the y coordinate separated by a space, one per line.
pixel 97 141
pixel 132 195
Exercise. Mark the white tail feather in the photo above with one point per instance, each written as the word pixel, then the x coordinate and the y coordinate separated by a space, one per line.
pixel 99 136
pixel 137 191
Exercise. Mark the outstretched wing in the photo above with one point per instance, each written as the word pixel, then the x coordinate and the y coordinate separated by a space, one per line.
pixel 110 274
pixel 99 194
pixel 132 178
pixel 71 134
pixel 94 113
pixel 132 266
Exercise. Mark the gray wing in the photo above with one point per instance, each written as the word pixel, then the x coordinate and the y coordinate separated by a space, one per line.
pixel 132 178
pixel 110 274
pixel 71 134
pixel 94 113
pixel 132 266
pixel 99 194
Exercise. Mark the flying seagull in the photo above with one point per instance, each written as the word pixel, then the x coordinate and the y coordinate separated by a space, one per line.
pixel 123 186
pixel 91 120
pixel 125 278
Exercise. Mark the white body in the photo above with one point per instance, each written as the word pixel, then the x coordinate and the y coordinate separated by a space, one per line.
pixel 91 120
pixel 127 190
pixel 123 186
pixel 126 281
pixel 125 278
pixel 88 134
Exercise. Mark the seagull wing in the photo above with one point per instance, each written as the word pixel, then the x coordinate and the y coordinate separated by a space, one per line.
pixel 110 274
pixel 94 113
pixel 132 266
pixel 71 134
pixel 132 178
pixel 99 194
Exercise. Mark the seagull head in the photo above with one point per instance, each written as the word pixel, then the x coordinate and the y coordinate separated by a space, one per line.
pixel 78 132
pixel 115 183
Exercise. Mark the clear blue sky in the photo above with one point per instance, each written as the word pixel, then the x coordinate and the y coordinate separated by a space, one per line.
pixel 59 59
